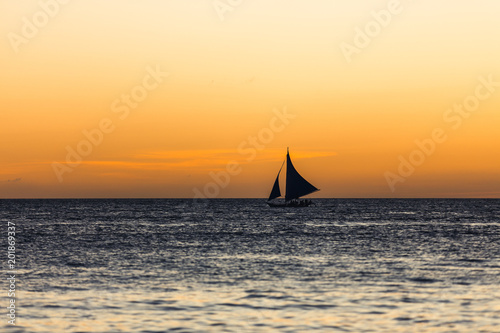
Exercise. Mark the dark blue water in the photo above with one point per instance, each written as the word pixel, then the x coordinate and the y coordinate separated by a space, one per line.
pixel 240 266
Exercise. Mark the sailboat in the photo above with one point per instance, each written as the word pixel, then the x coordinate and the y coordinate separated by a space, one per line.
pixel 296 187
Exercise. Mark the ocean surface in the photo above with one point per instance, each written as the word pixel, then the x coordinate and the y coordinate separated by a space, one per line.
pixel 236 265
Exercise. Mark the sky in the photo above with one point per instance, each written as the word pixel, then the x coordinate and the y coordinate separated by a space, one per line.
pixel 201 98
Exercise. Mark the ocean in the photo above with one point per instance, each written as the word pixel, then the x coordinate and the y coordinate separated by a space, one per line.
pixel 237 265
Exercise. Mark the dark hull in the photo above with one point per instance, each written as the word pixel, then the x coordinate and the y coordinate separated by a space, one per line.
pixel 302 203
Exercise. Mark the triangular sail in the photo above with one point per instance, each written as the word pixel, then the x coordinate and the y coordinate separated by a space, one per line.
pixel 296 185
pixel 275 192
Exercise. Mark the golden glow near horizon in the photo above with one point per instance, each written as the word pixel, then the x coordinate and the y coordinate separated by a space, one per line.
pixel 176 98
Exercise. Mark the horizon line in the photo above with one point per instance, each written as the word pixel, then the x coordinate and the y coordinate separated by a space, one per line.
pixel 246 198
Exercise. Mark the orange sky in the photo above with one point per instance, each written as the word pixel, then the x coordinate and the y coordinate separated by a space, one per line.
pixel 68 66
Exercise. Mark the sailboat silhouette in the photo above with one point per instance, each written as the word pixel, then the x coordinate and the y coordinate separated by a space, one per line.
pixel 296 187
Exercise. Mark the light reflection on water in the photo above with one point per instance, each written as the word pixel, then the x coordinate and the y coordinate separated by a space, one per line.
pixel 403 308
pixel 344 265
